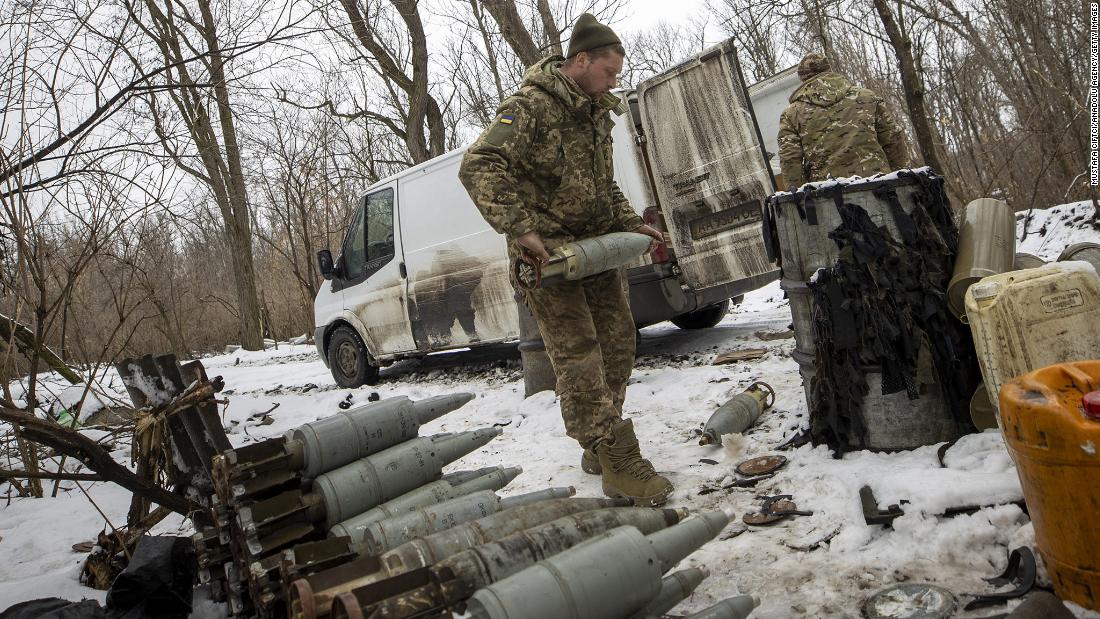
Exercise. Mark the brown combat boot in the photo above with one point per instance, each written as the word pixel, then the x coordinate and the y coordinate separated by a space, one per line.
pixel 590 462
pixel 625 472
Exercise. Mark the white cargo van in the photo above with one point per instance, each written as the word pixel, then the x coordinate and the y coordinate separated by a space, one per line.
pixel 420 271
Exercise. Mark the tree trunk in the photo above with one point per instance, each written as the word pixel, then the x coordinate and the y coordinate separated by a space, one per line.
pixel 240 232
pixel 490 51
pixel 550 29
pixel 912 84
pixel 513 30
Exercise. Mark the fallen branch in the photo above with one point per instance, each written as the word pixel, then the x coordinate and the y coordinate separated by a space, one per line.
pixel 12 331
pixel 75 444
pixel 5 473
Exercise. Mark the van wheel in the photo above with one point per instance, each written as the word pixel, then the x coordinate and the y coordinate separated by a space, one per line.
pixel 704 318
pixel 349 360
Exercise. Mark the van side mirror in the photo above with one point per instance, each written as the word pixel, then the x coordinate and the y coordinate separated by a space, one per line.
pixel 324 262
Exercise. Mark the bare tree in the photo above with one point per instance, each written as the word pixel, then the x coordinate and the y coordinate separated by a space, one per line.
pixel 416 118
pixel 200 99
pixel 911 83
pixel 752 25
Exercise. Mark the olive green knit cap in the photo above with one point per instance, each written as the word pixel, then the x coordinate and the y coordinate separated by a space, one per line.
pixel 588 34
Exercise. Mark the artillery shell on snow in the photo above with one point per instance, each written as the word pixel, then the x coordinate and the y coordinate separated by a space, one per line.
pixel 353 434
pixel 324 445
pixel 732 608
pixel 456 578
pixel 312 596
pixel 424 496
pixel 583 258
pixel 460 477
pixel 354 488
pixel 575 583
pixel 461 575
pixel 738 414
pixel 675 588
pixel 378 537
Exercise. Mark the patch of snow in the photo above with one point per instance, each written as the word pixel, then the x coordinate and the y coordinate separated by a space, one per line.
pixel 70 398
pixel 1047 232
pixel 849 180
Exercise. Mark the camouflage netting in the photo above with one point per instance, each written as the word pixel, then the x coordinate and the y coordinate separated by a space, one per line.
pixel 882 305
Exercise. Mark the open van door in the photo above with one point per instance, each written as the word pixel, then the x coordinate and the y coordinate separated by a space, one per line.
pixel 709 168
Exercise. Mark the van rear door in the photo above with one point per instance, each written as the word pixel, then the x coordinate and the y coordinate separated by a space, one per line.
pixel 709 167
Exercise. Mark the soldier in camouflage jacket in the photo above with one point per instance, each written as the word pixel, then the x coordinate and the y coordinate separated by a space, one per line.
pixel 833 128
pixel 542 175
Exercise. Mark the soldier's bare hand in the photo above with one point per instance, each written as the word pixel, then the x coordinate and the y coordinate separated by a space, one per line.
pixel 533 247
pixel 650 231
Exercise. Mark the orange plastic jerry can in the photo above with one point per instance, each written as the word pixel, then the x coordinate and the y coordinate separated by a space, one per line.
pixel 1051 421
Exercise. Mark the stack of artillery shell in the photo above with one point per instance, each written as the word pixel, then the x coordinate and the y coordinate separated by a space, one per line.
pixel 453 580
pixel 276 499
pixel 313 595
pixel 563 568
pixel 429 494
pixel 378 537
pixel 576 583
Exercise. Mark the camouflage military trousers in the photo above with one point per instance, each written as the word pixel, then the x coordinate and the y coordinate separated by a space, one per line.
pixel 589 336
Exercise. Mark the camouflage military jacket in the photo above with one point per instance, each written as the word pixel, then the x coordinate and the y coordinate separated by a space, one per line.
pixel 834 128
pixel 544 164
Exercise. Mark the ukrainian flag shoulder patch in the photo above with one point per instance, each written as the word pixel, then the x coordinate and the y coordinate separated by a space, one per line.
pixel 507 119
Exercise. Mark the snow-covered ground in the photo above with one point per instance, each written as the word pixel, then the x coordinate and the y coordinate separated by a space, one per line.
pixel 1049 231
pixel 823 565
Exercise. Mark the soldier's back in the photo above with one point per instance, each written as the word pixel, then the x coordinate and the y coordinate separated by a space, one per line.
pixel 837 127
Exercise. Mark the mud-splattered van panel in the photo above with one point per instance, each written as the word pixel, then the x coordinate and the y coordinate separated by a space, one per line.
pixel 710 171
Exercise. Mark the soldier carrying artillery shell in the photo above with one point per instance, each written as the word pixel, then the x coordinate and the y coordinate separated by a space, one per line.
pixel 542 175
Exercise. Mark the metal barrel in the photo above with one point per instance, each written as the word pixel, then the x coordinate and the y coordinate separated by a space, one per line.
pixel 803 222
pixel 1088 252
pixel 673 544
pixel 739 607
pixel 459 477
pixel 378 537
pixel 460 575
pixel 738 414
pixel 675 588
pixel 354 488
pixel 987 246
pixel 608 577
pixel 430 494
pixel 350 435
pixel 312 596
pixel 1026 261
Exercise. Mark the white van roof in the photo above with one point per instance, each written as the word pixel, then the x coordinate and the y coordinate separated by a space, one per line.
pixel 419 168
